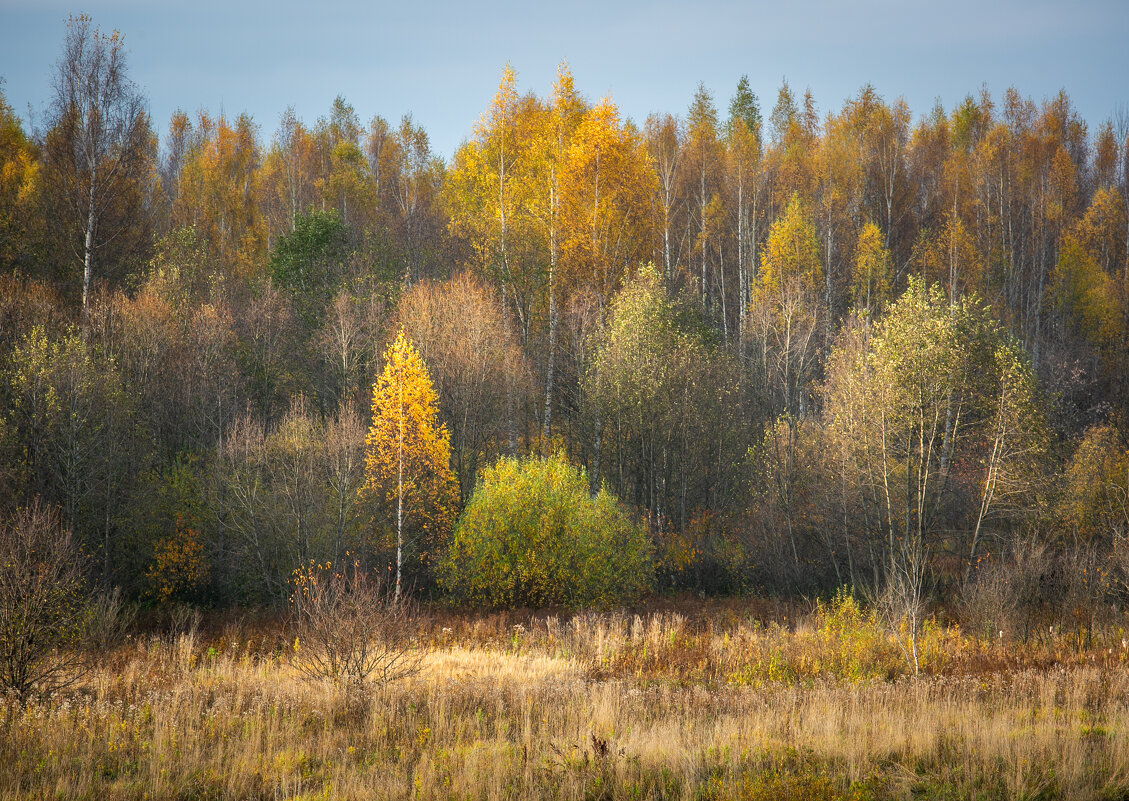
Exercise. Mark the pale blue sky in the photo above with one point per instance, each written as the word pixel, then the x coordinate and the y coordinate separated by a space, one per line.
pixel 442 61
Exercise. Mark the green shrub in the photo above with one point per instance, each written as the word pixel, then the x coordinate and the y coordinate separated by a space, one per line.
pixel 533 535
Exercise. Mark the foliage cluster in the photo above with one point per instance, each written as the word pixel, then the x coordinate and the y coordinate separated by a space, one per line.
pixel 533 534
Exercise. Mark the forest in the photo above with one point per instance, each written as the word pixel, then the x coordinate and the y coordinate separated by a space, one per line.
pixel 333 467
pixel 804 350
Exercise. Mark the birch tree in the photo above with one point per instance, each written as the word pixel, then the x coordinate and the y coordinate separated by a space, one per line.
pixel 408 458
pixel 99 145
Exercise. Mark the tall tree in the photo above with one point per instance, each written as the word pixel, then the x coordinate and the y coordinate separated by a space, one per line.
pixel 408 455
pixel 703 163
pixel 743 144
pixel 343 181
pixel 606 190
pixel 786 310
pixel 99 145
pixel 665 138
pixel 669 439
pixel 288 175
pixel 488 193
pixel 475 362
pixel 939 415
pixel 794 140
pixel 558 125
pixel 415 183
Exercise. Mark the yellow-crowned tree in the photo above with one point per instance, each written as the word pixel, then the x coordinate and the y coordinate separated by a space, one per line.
pixel 408 458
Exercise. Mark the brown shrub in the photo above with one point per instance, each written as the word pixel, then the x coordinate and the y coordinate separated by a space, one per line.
pixel 43 614
pixel 349 629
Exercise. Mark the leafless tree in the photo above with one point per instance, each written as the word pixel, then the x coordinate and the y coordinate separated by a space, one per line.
pixel 98 143
pixel 42 609
pixel 349 629
pixel 902 601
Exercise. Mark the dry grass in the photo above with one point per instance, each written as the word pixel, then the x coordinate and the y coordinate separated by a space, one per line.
pixel 702 706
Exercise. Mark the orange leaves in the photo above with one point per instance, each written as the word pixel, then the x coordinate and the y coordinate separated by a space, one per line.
pixel 178 566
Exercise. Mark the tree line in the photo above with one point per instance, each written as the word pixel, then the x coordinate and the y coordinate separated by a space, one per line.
pixel 803 348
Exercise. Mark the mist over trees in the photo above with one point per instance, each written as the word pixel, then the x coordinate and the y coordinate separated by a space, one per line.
pixel 803 347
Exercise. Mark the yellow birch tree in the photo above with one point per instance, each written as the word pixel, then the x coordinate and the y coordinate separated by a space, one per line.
pixel 408 455
pixel 872 276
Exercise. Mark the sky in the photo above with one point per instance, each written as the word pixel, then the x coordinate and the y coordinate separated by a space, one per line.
pixel 441 61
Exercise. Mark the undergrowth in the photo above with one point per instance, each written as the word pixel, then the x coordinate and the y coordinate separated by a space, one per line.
pixel 713 703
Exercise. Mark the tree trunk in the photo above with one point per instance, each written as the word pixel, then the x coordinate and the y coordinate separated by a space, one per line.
pixel 88 258
pixel 400 495
pixel 548 425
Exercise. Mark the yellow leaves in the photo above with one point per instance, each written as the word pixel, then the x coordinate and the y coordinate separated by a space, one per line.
pixel 953 259
pixel 791 252
pixel 532 533
pixel 1086 293
pixel 346 186
pixel 217 190
pixel 1063 187
pixel 605 189
pixel 1096 481
pixel 287 179
pixel 873 270
pixel 178 566
pixel 549 178
pixel 407 449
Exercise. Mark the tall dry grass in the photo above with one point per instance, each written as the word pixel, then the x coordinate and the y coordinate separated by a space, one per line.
pixel 662 706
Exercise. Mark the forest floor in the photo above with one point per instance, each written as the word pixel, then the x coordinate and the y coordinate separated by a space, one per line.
pixel 716 700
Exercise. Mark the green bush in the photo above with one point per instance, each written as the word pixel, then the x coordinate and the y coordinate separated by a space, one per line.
pixel 533 535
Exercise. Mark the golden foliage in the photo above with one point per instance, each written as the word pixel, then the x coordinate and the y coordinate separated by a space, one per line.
pixel 791 252
pixel 873 270
pixel 606 186
pixel 408 450
pixel 217 192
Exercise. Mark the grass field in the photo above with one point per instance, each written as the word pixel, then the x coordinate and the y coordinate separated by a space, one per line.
pixel 709 703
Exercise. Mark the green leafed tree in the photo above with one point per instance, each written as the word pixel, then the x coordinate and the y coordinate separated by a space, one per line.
pixel 533 535
pixel 939 420
pixel 664 403
pixel 76 427
pixel 309 261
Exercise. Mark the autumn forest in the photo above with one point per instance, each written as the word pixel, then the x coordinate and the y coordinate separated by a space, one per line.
pixel 704 311
pixel 752 348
